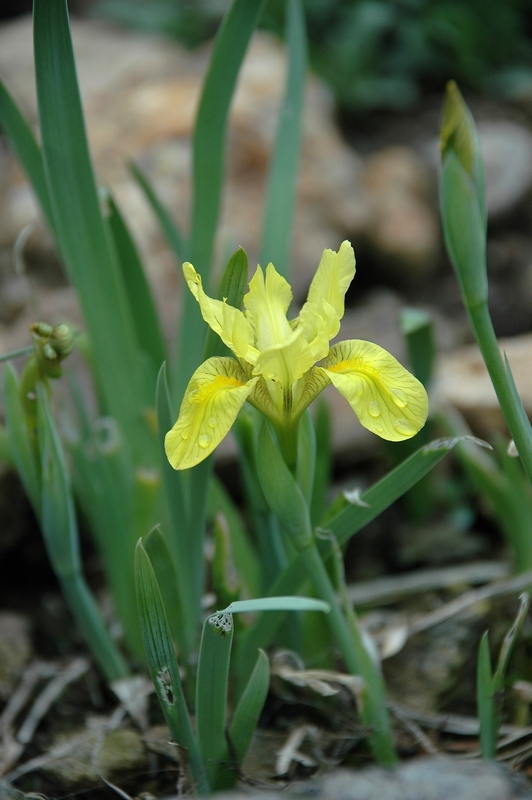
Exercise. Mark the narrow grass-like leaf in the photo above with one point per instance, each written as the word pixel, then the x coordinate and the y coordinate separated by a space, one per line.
pixel 283 494
pixel 487 712
pixel 138 291
pixel 277 604
pixel 509 642
pixel 519 411
pixel 232 289
pixel 502 485
pixel 270 546
pixel 184 550
pixel 58 517
pixel 386 491
pixel 23 449
pixel 418 329
pixel 306 456
pixel 249 708
pixel 163 566
pixel 28 152
pixel 81 234
pixel 208 167
pixel 490 686
pixel 278 223
pixel 162 663
pixel 211 699
pixel 173 235
pixel 104 482
pixel 60 533
pixel 322 471
pixel 244 554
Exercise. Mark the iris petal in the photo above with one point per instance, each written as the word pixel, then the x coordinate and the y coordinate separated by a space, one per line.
pixel 215 394
pixel 227 321
pixel 386 398
pixel 266 305
pixel 326 296
pixel 285 362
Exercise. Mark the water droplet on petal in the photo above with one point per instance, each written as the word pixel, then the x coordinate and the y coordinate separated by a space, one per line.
pixel 403 426
pixel 184 435
pixel 378 428
pixel 204 441
pixel 212 422
pixel 374 409
pixel 399 397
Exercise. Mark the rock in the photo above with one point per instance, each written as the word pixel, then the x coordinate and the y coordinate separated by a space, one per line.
pixel 462 380
pixel 507 153
pixel 77 758
pixel 15 650
pixel 435 778
pixel 402 228
pixel 427 778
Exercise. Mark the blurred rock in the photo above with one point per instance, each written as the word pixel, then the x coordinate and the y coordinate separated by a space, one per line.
pixel 15 650
pixel 507 152
pixel 462 380
pixel 434 778
pixel 79 757
pixel 402 229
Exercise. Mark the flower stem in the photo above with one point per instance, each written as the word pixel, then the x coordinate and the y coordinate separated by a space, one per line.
pixel 509 400
pixel 374 710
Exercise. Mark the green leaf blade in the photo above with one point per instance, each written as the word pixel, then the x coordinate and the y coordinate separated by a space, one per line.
pixel 486 702
pixel 173 235
pixel 208 167
pixel 278 603
pixel 23 449
pixel 27 150
pixel 140 300
pixel 81 235
pixel 162 662
pixel 249 708
pixel 281 192
pixel 211 699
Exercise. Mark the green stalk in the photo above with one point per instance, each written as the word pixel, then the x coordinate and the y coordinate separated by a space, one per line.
pixel 286 500
pixel 374 710
pixel 510 402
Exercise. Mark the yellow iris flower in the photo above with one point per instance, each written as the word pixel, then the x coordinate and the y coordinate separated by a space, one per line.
pixel 281 365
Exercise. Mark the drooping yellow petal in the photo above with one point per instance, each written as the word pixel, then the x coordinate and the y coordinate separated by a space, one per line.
pixel 386 398
pixel 227 321
pixel 214 396
pixel 326 296
pixel 266 305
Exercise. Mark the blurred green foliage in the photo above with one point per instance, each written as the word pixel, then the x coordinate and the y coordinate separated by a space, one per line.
pixel 376 53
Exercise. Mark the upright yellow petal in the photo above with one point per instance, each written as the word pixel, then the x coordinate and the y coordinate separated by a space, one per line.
pixel 326 296
pixel 214 396
pixel 386 398
pixel 227 321
pixel 285 362
pixel 266 305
